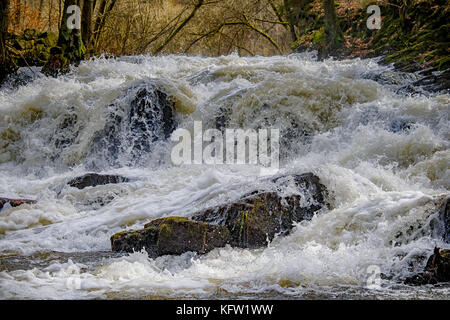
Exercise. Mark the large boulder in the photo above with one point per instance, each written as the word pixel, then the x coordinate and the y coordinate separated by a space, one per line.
pixel 95 179
pixel 250 222
pixel 258 217
pixel 436 270
pixel 32 47
pixel 15 202
pixel 173 235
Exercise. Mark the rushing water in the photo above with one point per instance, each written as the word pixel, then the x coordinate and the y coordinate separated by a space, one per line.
pixel 380 147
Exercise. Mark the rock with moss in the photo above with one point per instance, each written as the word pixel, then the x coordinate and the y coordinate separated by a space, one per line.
pixel 257 217
pixel 32 48
pixel 250 222
pixel 436 270
pixel 171 236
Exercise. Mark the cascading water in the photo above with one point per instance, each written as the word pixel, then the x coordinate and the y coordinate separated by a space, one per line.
pixel 382 151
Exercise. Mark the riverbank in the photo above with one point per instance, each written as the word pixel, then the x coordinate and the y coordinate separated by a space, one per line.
pixel 413 37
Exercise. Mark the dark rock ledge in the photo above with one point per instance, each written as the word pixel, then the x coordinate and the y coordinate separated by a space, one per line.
pixel 95 179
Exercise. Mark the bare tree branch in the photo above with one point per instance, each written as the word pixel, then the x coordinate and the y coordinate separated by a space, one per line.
pixel 174 33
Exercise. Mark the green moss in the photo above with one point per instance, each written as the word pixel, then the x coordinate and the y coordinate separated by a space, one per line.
pixel 175 219
pixel 119 235
pixel 445 253
pixel 319 36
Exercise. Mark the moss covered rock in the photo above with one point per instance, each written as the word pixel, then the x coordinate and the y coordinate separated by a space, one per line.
pixel 173 235
pixel 250 222
pixel 258 217
pixel 32 47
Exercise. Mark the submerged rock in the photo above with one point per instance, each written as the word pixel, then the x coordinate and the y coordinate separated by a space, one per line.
pixel 249 222
pixel 173 235
pixel 95 179
pixel 15 202
pixel 436 270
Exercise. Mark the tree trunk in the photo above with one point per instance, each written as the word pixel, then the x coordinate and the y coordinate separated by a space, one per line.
pixel 69 49
pixel 86 22
pixel 333 34
pixel 290 9
pixel 297 12
pixel 100 21
pixel 41 4
pixel 6 65
pixel 4 10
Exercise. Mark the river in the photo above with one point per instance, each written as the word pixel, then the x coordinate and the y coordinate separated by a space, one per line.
pixel 381 148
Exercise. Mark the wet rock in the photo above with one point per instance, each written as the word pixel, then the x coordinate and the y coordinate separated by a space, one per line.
pixel 444 216
pixel 249 222
pixel 400 125
pixel 171 236
pixel 15 202
pixel 95 179
pixel 436 270
pixel 66 133
pixel 151 117
pixel 440 225
pixel 133 127
pixel 438 81
pixel 258 217
pixel 32 48
pixel 393 78
pixel 91 260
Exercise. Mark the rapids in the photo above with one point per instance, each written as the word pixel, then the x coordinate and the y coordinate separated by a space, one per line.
pixel 380 147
